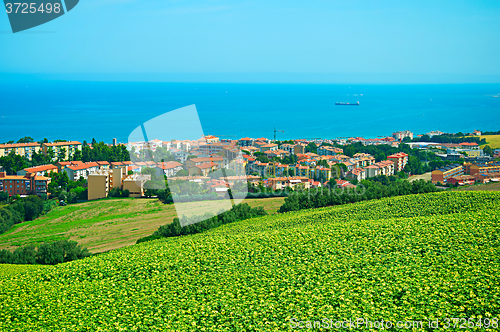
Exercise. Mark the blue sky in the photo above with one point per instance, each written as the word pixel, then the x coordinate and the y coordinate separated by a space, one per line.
pixel 261 41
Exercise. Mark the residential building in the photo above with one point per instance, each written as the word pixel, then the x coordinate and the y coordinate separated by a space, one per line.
pixel 211 139
pixel 400 160
pixel 218 161
pixel 357 173
pixel 281 183
pixel 169 168
pixel 245 141
pixel 483 168
pixel 443 174
pixel 102 181
pixel 69 148
pixel 29 184
pixel 25 150
pixel 203 169
pixel 434 133
pixel 462 180
pixel 268 147
pixel 43 170
pixel 81 170
pixel 400 135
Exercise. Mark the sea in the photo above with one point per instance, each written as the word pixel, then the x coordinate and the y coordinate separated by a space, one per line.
pixel 73 110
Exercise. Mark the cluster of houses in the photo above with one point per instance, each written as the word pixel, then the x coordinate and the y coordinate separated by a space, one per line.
pixel 198 158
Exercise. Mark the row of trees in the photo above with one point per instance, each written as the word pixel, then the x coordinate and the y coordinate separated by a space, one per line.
pixel 18 210
pixel 367 190
pixel 47 253
pixel 236 213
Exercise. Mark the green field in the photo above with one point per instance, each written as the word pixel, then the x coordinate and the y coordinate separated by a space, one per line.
pixel 492 186
pixel 417 257
pixel 105 224
pixel 492 140
pixel 10 269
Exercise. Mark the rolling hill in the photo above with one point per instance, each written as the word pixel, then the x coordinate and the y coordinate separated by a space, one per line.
pixel 105 224
pixel 417 257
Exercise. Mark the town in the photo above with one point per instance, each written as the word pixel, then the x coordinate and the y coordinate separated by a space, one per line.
pixel 272 164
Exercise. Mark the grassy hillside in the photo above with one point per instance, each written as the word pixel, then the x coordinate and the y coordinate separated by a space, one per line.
pixel 492 140
pixel 492 186
pixel 105 224
pixel 414 257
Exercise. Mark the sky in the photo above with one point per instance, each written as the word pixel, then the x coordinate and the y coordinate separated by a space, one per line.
pixel 261 41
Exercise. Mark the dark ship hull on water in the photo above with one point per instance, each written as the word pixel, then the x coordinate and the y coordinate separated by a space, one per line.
pixel 347 104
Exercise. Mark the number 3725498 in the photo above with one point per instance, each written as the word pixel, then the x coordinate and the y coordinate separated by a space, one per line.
pixel 32 8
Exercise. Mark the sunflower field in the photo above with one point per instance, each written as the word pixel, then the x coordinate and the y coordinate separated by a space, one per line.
pixel 419 257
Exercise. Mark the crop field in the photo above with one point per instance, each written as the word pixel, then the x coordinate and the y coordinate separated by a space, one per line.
pixel 106 224
pixel 9 269
pixel 418 257
pixel 492 140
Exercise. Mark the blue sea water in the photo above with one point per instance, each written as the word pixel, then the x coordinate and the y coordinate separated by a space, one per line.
pixel 106 110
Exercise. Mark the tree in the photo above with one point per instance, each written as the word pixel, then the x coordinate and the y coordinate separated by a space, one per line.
pixel 61 154
pixel 26 139
pixel 488 150
pixel 312 147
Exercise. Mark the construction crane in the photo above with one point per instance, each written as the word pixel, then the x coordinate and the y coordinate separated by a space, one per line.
pixel 277 131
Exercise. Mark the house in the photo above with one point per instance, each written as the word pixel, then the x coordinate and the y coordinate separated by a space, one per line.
pixel 28 184
pixel 203 169
pixel 169 168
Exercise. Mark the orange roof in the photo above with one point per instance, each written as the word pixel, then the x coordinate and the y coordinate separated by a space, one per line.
pixel 40 168
pixel 63 143
pixel 18 145
pixel 206 165
pixel 169 165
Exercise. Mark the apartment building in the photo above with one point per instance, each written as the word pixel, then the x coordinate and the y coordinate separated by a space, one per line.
pixel 29 184
pixel 329 151
pixel 400 160
pixel 25 150
pixel 203 169
pixel 443 174
pixel 357 173
pixel 81 170
pixel 281 183
pixel 42 170
pixel 218 161
pixel 400 135
pixel 294 148
pixel 268 147
pixel 102 181
pixel 69 148
pixel 245 141
pixel 169 168
pixel 483 168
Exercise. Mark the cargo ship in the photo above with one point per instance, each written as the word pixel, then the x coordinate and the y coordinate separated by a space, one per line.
pixel 347 104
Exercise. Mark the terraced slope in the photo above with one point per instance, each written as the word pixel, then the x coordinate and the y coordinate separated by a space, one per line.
pixel 404 258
